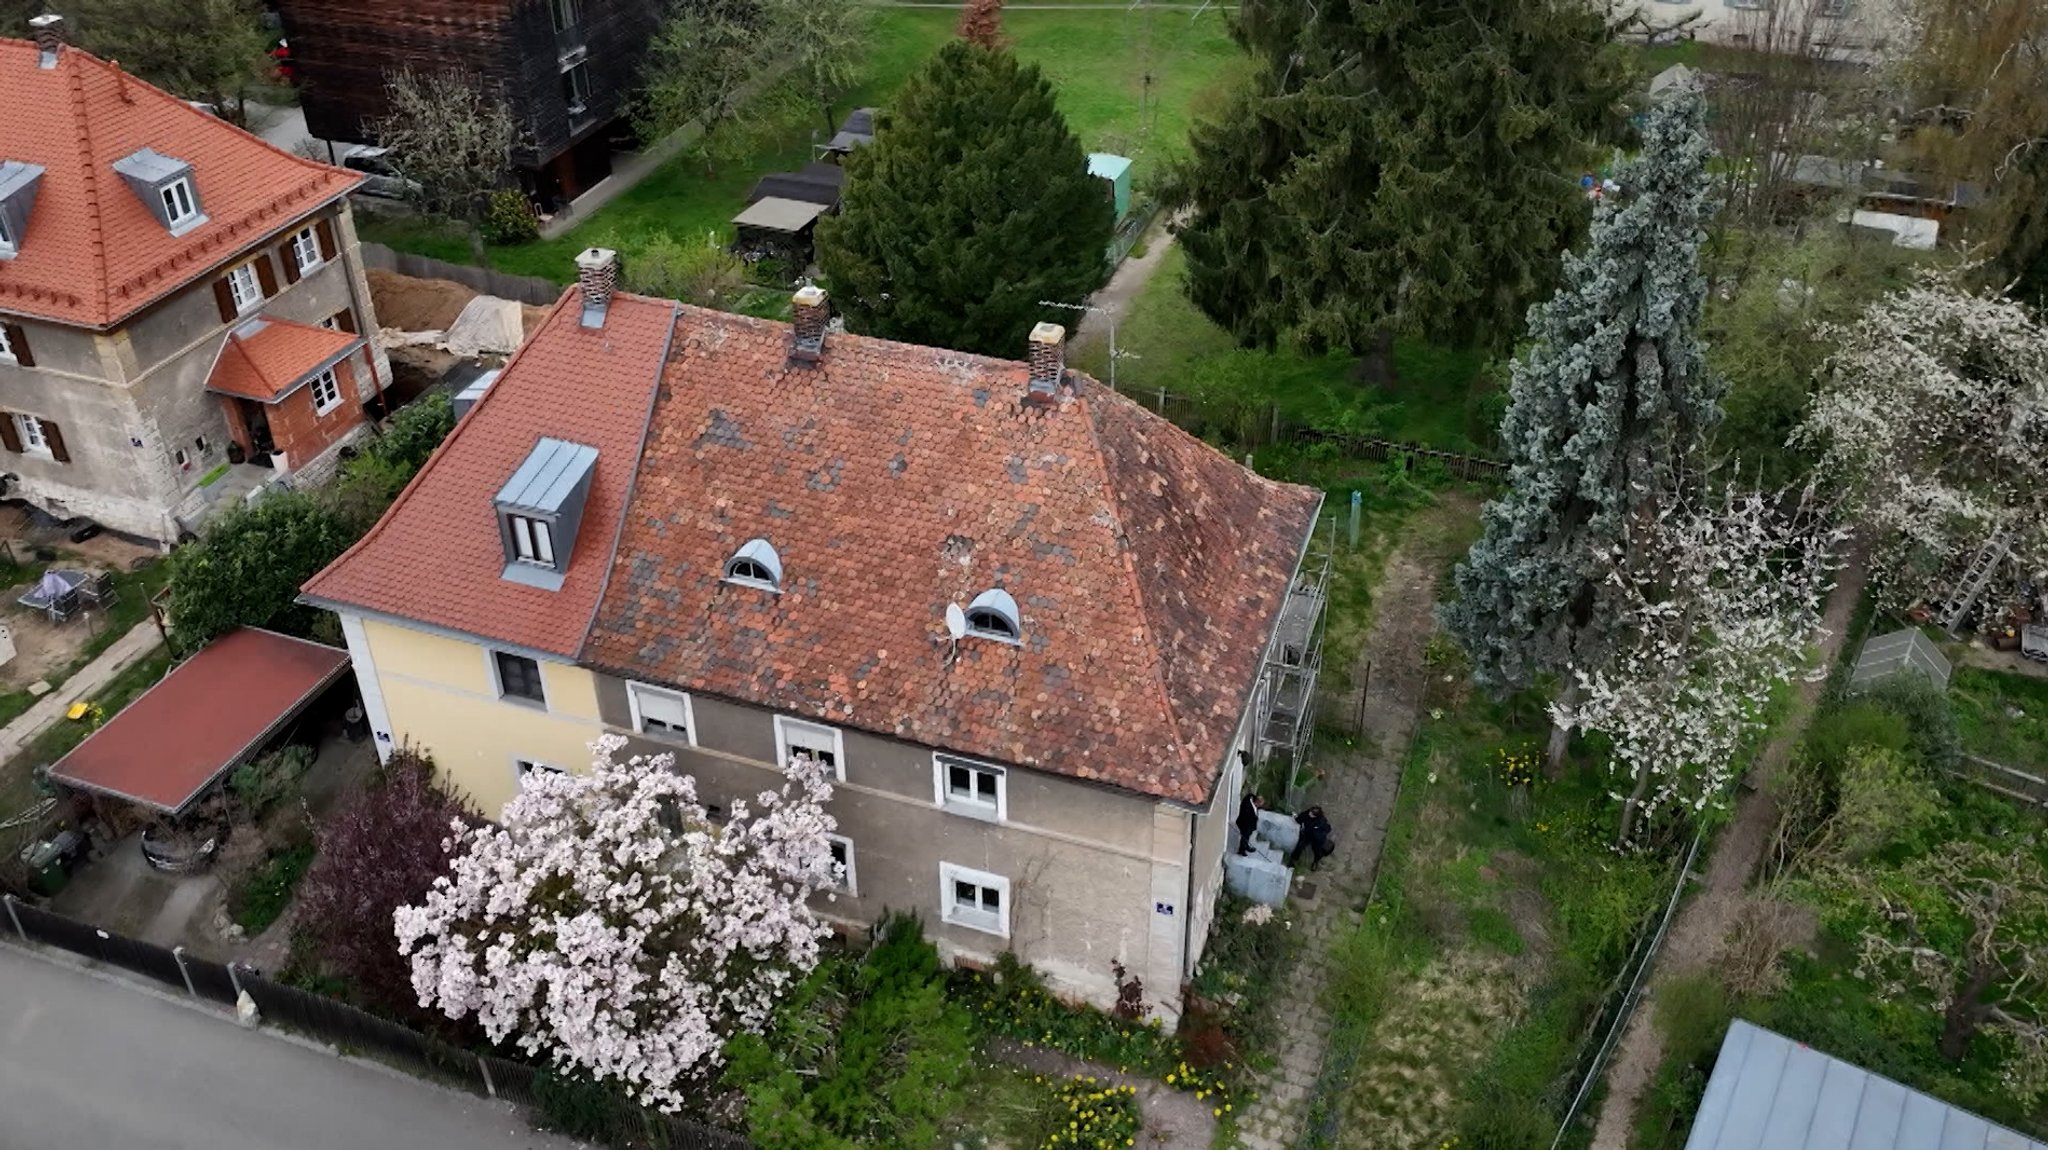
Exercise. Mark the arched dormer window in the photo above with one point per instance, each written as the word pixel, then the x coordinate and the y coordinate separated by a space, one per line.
pixel 993 615
pixel 755 565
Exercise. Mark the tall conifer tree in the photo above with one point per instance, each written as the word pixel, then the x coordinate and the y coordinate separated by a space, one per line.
pixel 1608 401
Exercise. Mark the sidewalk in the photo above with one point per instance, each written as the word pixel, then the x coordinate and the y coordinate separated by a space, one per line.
pixel 126 651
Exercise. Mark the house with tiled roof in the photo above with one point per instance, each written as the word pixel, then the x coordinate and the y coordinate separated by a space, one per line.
pixel 183 308
pixel 1030 624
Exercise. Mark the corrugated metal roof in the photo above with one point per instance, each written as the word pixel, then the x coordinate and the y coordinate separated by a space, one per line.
pixel 551 471
pixel 1771 1093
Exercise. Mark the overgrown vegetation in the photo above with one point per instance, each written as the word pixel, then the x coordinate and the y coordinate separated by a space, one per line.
pixel 258 899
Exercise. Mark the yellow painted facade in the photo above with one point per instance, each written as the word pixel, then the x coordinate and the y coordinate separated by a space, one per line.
pixel 439 693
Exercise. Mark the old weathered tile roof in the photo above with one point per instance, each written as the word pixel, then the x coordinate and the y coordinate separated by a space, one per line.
pixel 93 254
pixel 436 556
pixel 266 359
pixel 894 480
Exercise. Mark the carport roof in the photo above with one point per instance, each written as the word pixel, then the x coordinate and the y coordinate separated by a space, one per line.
pixel 167 747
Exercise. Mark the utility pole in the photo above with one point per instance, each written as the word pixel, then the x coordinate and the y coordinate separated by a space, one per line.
pixel 1091 309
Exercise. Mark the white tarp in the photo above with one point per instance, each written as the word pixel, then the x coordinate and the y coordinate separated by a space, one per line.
pixel 1907 231
pixel 487 326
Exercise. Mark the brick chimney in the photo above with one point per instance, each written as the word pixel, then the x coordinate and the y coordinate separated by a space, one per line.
pixel 1048 359
pixel 597 274
pixel 810 312
pixel 48 30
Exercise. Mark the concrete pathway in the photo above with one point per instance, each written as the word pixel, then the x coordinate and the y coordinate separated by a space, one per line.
pixel 126 651
pixel 89 1061
pixel 1359 792
pixel 1130 278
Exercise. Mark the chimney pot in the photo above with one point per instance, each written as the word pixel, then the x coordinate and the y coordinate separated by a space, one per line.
pixel 48 30
pixel 597 274
pixel 810 312
pixel 1048 358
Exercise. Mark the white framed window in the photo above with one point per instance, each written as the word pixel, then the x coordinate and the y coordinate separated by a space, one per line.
pixel 846 881
pixel 576 87
pixel 517 677
pixel 526 768
pixel 306 249
pixel 755 564
pixel 661 713
pixel 6 237
pixel 183 460
pixel 180 208
pixel 244 288
pixel 974 899
pixel 33 441
pixel 533 541
pixel 964 787
pixel 6 345
pixel 993 615
pixel 795 737
pixel 326 392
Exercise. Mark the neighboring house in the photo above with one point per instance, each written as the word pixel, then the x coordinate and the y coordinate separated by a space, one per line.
pixel 1844 30
pixel 564 67
pixel 1027 621
pixel 170 286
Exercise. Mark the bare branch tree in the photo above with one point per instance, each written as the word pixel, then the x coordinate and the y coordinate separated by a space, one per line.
pixel 450 136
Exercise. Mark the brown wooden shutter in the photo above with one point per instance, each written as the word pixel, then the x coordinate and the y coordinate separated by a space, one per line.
pixel 225 297
pixel 345 319
pixel 17 343
pixel 55 439
pixel 324 231
pixel 290 260
pixel 265 274
pixel 10 437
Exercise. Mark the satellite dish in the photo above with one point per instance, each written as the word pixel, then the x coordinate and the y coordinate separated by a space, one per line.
pixel 956 621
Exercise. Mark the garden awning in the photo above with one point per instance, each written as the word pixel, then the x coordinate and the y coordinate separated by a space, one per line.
pixel 213 710
pixel 779 215
pixel 1771 1093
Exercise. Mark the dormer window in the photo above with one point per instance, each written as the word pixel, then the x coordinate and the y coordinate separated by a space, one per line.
pixel 539 509
pixel 18 182
pixel 755 565
pixel 993 615
pixel 165 187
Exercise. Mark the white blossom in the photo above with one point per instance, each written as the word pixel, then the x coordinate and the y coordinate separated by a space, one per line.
pixel 1716 605
pixel 607 924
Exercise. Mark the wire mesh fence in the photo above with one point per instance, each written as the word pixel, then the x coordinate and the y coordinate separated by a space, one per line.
pixel 618 1121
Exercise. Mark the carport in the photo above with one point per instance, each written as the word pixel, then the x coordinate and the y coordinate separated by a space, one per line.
pixel 165 750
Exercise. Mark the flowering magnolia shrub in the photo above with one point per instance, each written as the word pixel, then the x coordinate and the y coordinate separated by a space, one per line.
pixel 1716 604
pixel 610 926
pixel 1935 423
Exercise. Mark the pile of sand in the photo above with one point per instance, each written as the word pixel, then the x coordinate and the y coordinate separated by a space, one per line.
pixel 407 304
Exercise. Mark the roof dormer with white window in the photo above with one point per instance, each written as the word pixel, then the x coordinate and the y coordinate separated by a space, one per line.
pixel 539 510
pixel 18 183
pixel 165 187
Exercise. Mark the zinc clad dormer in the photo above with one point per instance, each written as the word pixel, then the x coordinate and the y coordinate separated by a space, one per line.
pixel 540 508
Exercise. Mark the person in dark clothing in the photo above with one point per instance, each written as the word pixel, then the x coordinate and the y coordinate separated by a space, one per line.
pixel 1317 836
pixel 1247 821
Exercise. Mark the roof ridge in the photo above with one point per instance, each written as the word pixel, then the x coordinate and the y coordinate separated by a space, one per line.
pixel 1158 660
pixel 441 453
pixel 81 114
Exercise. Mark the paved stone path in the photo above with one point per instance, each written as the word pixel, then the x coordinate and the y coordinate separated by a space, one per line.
pixel 1359 792
pixel 140 640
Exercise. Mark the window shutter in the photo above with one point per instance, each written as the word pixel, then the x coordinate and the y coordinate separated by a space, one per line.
pixel 290 260
pixel 225 297
pixel 345 319
pixel 265 274
pixel 18 344
pixel 10 437
pixel 324 231
pixel 55 439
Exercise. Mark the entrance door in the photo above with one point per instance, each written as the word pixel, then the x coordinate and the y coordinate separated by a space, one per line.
pixel 256 418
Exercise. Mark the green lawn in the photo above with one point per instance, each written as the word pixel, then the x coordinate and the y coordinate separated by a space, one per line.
pixel 1093 57
pixel 134 589
pixel 1441 398
pixel 2002 717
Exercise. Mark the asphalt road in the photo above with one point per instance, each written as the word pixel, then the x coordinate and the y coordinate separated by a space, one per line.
pixel 91 1063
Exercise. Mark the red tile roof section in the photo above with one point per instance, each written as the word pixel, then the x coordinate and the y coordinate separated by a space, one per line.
pixel 269 364
pixel 93 254
pixel 894 480
pixel 164 749
pixel 436 556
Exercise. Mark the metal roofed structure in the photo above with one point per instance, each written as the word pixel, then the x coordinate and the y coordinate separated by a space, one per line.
pixel 1886 655
pixel 548 477
pixel 1771 1093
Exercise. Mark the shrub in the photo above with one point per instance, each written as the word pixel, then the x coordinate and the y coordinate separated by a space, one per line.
pixel 256 902
pixel 574 1105
pixel 260 783
pixel 246 570
pixel 1930 724
pixel 1241 974
pixel 1692 1013
pixel 705 274
pixel 509 218
pixel 1099 1116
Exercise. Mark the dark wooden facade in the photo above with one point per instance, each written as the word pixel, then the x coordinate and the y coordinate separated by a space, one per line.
pixel 342 49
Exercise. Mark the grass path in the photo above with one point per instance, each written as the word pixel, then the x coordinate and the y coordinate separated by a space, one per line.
pixel 1700 932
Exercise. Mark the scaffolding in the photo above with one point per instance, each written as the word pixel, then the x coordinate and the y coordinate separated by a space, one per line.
pixel 1287 690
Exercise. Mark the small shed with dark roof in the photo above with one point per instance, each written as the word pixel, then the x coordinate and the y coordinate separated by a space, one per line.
pixel 857 130
pixel 1771 1093
pixel 816 183
pixel 210 714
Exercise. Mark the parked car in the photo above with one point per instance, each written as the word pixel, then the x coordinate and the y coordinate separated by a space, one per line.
pixel 383 180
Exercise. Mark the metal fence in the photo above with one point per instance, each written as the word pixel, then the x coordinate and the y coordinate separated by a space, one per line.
pixel 525 289
pixel 344 1026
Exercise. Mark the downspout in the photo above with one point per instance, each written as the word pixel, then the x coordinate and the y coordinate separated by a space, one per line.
pixel 363 319
pixel 1187 918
